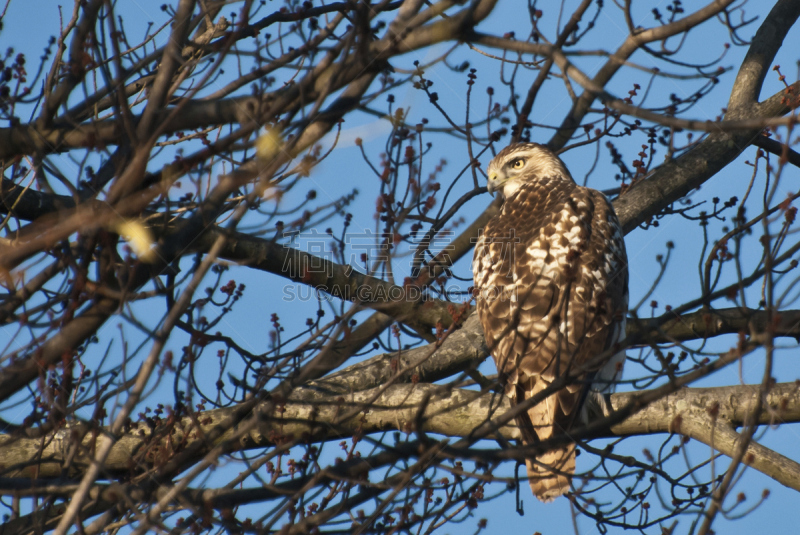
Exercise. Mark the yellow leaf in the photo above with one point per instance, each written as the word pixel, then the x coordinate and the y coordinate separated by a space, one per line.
pixel 138 237
pixel 269 144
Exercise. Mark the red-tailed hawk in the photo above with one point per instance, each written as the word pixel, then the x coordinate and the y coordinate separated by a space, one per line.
pixel 551 281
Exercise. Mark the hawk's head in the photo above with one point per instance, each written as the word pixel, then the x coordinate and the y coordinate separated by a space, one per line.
pixel 523 162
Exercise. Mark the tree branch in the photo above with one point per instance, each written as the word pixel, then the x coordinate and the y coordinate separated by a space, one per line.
pixel 779 149
pixel 765 44
pixel 700 413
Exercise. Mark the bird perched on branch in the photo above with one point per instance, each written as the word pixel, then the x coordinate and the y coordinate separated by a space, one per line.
pixel 551 282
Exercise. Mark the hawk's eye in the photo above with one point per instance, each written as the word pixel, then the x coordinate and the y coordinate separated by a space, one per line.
pixel 519 163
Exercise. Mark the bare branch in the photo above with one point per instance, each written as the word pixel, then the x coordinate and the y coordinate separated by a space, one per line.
pixel 700 413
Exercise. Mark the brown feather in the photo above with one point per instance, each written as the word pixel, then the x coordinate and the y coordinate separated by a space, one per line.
pixel 551 274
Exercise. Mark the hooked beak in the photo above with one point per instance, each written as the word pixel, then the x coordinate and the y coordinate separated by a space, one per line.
pixel 495 183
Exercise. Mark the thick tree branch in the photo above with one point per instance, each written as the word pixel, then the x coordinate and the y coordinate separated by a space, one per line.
pixel 765 44
pixel 465 348
pixel 709 323
pixel 404 304
pixel 701 413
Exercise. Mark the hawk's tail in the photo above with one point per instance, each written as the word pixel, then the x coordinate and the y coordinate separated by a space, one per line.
pixel 550 474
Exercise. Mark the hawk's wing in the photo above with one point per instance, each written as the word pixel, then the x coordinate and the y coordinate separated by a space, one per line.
pixel 551 276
